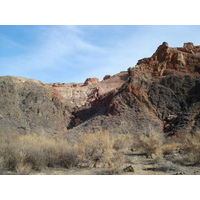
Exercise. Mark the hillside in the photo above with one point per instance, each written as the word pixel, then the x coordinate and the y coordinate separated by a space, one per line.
pixel 145 120
pixel 159 93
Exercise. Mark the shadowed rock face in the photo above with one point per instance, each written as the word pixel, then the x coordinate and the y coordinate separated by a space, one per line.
pixel 160 93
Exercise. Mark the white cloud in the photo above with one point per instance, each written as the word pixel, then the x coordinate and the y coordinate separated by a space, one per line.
pixel 55 50
pixel 68 54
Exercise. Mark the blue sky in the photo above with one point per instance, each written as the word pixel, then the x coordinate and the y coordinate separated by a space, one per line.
pixel 74 53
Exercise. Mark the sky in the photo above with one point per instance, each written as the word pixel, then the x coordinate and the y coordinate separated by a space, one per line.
pixel 72 53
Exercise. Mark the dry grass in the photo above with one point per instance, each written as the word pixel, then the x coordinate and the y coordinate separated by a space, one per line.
pixel 35 152
pixel 97 148
pixel 150 144
pixel 170 148
pixel 24 153
pixel 190 150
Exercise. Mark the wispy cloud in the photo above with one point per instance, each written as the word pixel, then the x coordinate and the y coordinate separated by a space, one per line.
pixel 74 53
pixel 57 49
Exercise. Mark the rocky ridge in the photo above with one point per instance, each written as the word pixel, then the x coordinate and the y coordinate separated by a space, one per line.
pixel 160 93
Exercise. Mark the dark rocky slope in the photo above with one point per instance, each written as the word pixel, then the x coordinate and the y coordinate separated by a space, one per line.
pixel 28 106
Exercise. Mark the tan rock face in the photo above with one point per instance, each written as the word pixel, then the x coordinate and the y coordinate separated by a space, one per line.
pixel 91 90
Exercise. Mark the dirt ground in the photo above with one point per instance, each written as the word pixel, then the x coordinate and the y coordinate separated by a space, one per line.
pixel 139 162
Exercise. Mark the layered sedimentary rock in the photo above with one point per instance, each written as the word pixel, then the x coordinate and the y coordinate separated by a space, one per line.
pixel 166 84
pixel 81 94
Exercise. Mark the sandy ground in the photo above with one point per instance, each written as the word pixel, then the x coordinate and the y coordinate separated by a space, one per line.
pixel 140 164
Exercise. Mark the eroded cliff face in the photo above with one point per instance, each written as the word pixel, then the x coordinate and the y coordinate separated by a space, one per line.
pixel 170 79
pixel 81 94
pixel 161 93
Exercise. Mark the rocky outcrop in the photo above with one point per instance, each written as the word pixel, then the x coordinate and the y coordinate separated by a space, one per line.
pixel 28 106
pixel 161 93
pixel 106 77
pixel 81 94
pixel 164 85
pixel 90 81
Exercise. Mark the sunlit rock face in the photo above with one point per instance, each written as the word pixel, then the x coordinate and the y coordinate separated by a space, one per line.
pixel 161 93
pixel 163 85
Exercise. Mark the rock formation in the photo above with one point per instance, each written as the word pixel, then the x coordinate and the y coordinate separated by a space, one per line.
pixel 90 81
pixel 161 93
pixel 28 106
pixel 157 88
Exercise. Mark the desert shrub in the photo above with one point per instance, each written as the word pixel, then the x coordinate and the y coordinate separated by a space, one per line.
pixel 150 144
pixel 24 153
pixel 170 148
pixel 190 149
pixel 167 166
pixel 97 147
pixel 122 142
pixel 115 167
pixel 35 152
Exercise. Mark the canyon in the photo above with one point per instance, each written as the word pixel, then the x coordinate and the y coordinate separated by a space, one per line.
pixel 160 93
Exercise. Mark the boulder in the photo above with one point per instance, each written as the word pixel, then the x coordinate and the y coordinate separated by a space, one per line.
pixel 90 81
pixel 106 77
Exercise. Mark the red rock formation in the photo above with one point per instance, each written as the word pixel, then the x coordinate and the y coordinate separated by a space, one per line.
pixel 90 81
pixel 160 93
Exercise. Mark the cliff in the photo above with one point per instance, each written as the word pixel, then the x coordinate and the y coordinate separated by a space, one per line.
pixel 160 93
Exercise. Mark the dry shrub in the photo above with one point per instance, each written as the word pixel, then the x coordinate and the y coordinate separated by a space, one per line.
pixel 27 152
pixel 122 142
pixel 170 148
pixel 166 166
pixel 24 153
pixel 190 149
pixel 97 147
pixel 150 144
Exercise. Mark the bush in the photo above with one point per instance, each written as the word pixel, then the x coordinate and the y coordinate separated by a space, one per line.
pixel 170 148
pixel 97 147
pixel 35 152
pixel 150 144
pixel 190 149
pixel 24 153
pixel 122 142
